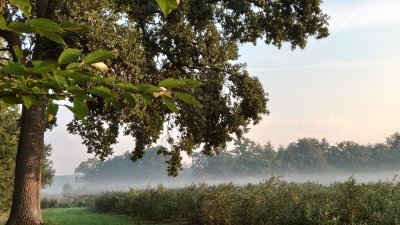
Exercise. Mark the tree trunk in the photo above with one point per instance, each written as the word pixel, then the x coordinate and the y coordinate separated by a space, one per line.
pixel 25 209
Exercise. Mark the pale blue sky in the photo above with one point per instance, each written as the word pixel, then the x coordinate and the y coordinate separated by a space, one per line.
pixel 344 87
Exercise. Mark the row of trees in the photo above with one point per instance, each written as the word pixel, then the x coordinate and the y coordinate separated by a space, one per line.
pixel 306 155
pixel 121 168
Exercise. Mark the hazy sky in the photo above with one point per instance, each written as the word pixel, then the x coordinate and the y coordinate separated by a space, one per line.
pixel 344 87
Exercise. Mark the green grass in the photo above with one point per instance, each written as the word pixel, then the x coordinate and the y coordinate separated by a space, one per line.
pixel 83 216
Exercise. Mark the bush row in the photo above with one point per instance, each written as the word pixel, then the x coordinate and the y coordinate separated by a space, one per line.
pixel 272 202
pixel 67 202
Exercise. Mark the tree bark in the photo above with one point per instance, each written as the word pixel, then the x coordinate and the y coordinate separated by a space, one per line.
pixel 25 207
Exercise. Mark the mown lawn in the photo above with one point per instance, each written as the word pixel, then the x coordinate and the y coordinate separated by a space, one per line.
pixel 83 216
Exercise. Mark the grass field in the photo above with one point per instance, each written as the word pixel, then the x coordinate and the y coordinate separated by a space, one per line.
pixel 83 216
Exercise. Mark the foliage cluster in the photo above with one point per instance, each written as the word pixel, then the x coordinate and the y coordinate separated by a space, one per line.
pixel 273 202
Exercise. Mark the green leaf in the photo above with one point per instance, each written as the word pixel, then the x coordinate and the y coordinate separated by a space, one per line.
pixel 3 23
pixel 169 103
pixel 52 110
pixel 73 27
pixel 43 24
pixel 103 92
pixel 18 52
pixel 21 27
pixel 37 90
pixel 167 6
pixel 147 98
pixel 23 5
pixel 188 98
pixel 44 66
pixel 60 80
pixel 77 76
pixel 98 56
pixel 171 83
pixel 129 98
pixel 176 83
pixel 29 101
pixel 73 65
pixel 191 83
pixel 105 80
pixel 80 107
pixel 53 36
pixel 69 55
pixel 114 102
pixel 14 69
pixel 11 100
pixel 126 87
pixel 148 88
pixel 74 90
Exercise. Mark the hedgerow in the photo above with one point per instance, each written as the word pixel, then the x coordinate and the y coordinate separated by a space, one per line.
pixel 273 202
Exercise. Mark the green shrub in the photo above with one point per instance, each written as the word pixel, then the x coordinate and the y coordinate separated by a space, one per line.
pixel 273 202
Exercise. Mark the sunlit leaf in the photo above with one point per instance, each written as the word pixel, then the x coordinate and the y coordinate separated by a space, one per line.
pixel 101 66
pixel 167 6
pixel 52 110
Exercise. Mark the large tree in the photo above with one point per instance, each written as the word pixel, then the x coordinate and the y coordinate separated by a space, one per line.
pixel 9 131
pixel 199 40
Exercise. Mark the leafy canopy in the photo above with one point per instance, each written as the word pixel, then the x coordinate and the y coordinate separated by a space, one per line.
pixel 162 58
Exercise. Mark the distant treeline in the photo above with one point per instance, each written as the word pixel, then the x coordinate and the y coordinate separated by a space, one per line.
pixel 306 155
